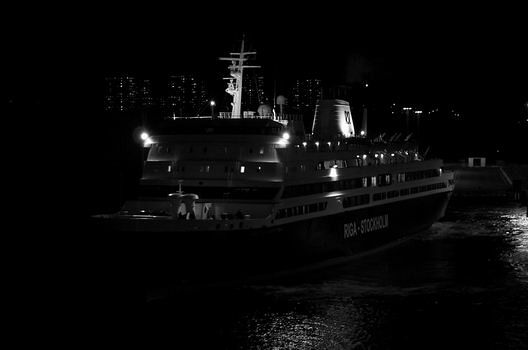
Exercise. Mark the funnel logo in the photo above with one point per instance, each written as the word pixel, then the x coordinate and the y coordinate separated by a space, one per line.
pixel 348 119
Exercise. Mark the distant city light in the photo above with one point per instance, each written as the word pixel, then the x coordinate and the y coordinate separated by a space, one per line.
pixel 418 112
pixel 407 108
pixel 213 103
pixel 364 156
pixel 317 143
pixel 362 133
pixel 366 84
pixel 304 144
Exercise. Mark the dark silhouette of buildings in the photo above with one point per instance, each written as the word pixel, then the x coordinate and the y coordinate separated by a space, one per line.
pixel 187 96
pixel 305 94
pixel 253 92
pixel 126 93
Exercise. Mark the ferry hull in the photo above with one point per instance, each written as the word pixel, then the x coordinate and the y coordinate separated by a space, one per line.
pixel 242 253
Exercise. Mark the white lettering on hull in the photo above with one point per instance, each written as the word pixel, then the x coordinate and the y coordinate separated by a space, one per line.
pixel 367 225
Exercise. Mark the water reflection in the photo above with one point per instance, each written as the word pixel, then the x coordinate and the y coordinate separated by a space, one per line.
pixel 516 232
pixel 463 283
pixel 335 323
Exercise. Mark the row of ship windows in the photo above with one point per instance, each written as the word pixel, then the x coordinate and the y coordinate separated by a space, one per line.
pixel 354 201
pixel 380 180
pixel 209 168
pixel 371 181
pixel 300 210
pixel 407 191
pixel 161 149
pixel 339 163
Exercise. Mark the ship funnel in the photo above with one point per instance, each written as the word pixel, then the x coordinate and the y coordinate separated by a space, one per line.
pixel 332 120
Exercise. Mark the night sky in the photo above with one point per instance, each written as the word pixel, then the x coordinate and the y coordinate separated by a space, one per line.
pixel 475 58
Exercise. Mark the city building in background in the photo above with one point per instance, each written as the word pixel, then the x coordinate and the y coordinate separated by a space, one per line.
pixel 121 92
pixel 126 93
pixel 305 94
pixel 186 96
pixel 145 95
pixel 254 95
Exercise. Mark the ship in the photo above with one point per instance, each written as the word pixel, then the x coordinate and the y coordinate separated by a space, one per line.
pixel 247 193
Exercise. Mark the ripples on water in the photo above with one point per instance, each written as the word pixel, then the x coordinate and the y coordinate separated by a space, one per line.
pixel 461 284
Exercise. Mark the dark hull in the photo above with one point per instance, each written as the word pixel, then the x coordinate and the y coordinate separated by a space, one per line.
pixel 239 254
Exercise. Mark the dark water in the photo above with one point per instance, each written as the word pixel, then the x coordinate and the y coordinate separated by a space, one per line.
pixel 461 284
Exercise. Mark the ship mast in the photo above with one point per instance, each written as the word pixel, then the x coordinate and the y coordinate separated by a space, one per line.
pixel 234 87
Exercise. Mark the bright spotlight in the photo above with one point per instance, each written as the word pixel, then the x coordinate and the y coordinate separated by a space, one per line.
pixel 144 136
pixel 286 136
